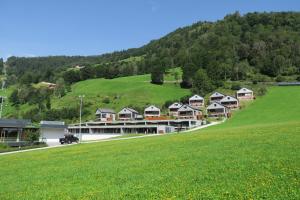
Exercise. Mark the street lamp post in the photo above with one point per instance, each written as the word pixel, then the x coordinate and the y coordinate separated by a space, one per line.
pixel 80 113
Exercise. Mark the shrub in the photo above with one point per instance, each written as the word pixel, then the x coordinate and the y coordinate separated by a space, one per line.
pixel 298 78
pixel 32 136
pixel 280 78
pixel 235 86
pixel 261 91
pixel 106 100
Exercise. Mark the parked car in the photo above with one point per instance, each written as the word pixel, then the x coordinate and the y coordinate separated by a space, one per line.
pixel 68 139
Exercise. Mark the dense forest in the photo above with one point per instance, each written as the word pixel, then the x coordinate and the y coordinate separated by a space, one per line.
pixel 257 47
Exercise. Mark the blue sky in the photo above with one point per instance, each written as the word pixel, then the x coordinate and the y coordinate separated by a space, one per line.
pixel 91 27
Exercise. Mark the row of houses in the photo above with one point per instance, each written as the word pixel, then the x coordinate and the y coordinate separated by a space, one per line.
pixel 220 105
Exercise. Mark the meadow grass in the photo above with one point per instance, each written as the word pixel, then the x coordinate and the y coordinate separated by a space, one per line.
pixel 234 160
pixel 122 92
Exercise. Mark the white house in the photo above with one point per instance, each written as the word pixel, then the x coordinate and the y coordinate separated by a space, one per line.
pixel 196 101
pixel 230 102
pixel 173 109
pixel 128 114
pixel 152 111
pixel 189 112
pixel 51 131
pixel 105 114
pixel 244 94
pixel 216 110
pixel 216 97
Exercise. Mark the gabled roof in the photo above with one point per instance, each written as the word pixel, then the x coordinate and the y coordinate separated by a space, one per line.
pixel 187 108
pixel 217 94
pixel 175 105
pixel 104 110
pixel 215 106
pixel 228 99
pixel 128 110
pixel 152 108
pixel 244 90
pixel 14 123
pixel 196 97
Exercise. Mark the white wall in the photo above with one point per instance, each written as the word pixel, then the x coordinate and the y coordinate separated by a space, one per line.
pixel 52 134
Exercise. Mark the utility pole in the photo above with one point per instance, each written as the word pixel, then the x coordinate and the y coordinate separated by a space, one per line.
pixel 1 106
pixel 80 113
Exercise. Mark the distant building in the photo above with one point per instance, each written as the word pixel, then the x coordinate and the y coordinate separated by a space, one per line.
pixel 51 131
pixel 216 97
pixel 49 85
pixel 173 109
pixel 244 94
pixel 152 111
pixel 128 114
pixel 105 114
pixel 196 101
pixel 189 112
pixel 217 110
pixel 230 102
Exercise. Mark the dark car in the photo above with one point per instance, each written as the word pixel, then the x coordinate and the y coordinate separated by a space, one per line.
pixel 68 139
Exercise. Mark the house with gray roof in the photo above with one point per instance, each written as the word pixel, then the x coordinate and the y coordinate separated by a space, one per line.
pixel 152 111
pixel 189 112
pixel 51 131
pixel 244 94
pixel 216 97
pixel 196 101
pixel 217 110
pixel 128 114
pixel 230 102
pixel 105 114
pixel 173 109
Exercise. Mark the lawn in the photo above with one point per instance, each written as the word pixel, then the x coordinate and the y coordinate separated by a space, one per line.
pixel 240 159
pixel 134 91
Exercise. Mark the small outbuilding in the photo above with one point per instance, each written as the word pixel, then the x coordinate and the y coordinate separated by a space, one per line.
pixel 173 109
pixel 189 112
pixel 105 114
pixel 217 110
pixel 196 101
pixel 230 102
pixel 216 97
pixel 128 114
pixel 51 131
pixel 244 94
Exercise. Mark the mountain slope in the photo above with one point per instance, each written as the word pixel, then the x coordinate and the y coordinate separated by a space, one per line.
pixel 235 160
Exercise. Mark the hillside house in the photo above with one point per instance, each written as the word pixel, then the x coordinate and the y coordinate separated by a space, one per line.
pixel 196 101
pixel 217 110
pixel 230 102
pixel 173 109
pixel 152 111
pixel 244 94
pixel 189 112
pixel 105 114
pixel 127 114
pixel 216 97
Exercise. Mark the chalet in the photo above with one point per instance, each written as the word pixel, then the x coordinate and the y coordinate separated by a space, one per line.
pixel 244 94
pixel 105 114
pixel 230 102
pixel 173 109
pixel 216 97
pixel 189 112
pixel 152 111
pixel 50 86
pixel 216 110
pixel 128 114
pixel 196 101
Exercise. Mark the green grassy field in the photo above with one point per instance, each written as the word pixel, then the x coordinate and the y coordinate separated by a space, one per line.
pixel 254 155
pixel 126 91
